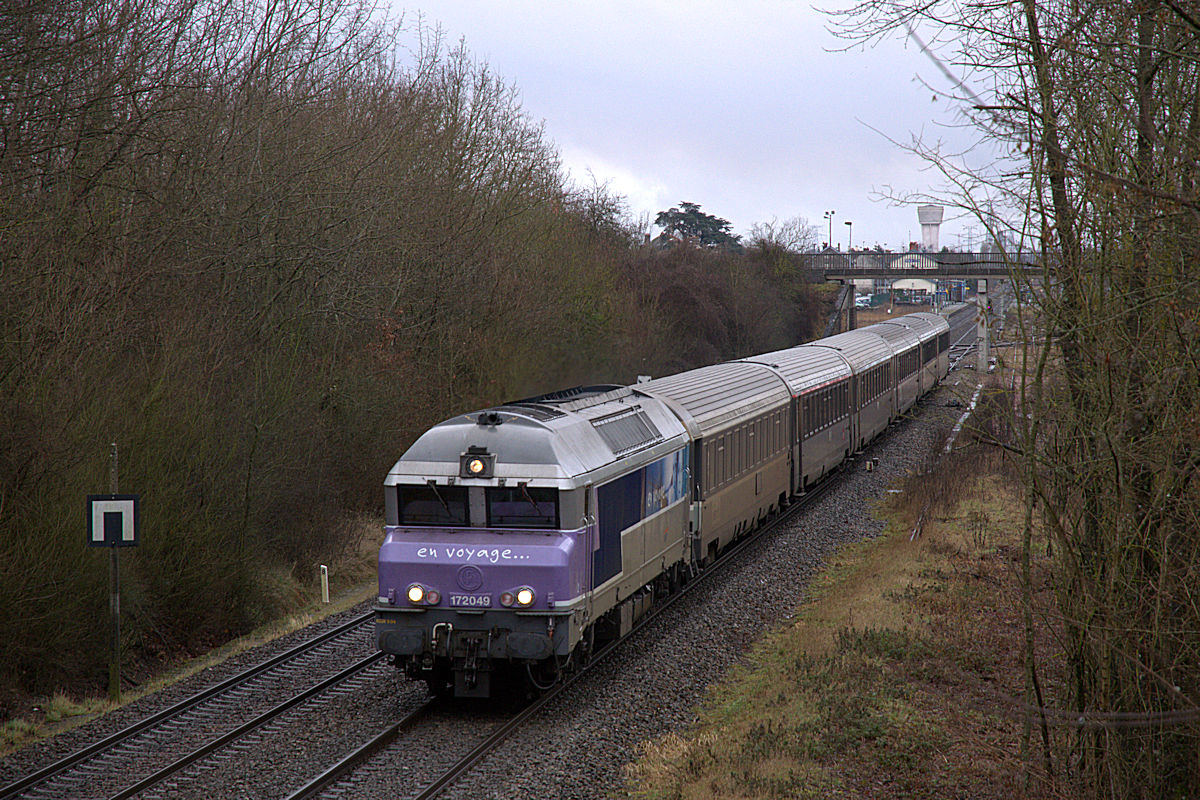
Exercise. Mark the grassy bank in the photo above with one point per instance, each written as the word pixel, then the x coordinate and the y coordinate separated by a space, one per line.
pixel 899 677
pixel 352 579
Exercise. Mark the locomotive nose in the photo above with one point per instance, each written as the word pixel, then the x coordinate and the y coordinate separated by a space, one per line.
pixel 468 572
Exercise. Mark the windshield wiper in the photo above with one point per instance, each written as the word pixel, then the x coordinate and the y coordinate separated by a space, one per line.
pixel 441 500
pixel 525 493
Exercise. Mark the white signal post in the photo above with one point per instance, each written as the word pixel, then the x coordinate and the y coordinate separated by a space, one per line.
pixel 112 522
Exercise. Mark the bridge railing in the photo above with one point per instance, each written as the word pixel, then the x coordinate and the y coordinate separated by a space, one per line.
pixel 869 264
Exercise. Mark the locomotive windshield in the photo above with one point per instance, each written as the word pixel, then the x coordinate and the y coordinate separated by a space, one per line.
pixel 432 505
pixel 522 507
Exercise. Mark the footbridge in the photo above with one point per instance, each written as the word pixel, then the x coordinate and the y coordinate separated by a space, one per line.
pixel 838 266
pixel 943 266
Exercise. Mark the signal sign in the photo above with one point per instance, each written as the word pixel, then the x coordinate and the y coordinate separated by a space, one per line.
pixel 113 520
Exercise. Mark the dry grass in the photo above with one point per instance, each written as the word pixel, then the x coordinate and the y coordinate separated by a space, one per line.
pixel 869 316
pixel 897 678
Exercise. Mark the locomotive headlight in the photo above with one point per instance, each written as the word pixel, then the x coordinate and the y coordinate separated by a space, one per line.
pixel 524 596
pixel 416 593
pixel 477 462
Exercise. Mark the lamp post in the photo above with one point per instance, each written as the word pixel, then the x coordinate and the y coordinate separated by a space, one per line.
pixel 829 216
pixel 849 241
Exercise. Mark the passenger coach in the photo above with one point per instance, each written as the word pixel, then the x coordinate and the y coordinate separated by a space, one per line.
pixel 820 382
pixel 906 362
pixel 737 416
pixel 872 397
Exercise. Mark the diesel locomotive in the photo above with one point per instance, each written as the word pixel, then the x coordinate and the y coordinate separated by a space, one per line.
pixel 518 537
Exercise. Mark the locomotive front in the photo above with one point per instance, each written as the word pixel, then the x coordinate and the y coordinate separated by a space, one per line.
pixel 497 561
pixel 484 561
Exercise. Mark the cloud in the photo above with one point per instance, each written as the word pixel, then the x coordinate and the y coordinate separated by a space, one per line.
pixel 746 110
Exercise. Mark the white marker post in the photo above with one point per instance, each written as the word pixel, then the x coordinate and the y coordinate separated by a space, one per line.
pixel 112 521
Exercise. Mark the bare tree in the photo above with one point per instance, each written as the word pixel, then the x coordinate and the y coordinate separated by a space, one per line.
pixel 1095 111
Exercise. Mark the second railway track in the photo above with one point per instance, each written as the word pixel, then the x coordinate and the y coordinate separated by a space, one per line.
pixel 142 754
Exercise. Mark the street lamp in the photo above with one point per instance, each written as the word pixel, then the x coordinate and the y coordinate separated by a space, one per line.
pixel 850 241
pixel 829 216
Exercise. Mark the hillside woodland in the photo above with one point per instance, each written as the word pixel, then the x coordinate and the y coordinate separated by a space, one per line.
pixel 260 247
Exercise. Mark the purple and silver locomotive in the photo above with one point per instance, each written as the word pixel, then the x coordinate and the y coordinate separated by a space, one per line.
pixel 514 533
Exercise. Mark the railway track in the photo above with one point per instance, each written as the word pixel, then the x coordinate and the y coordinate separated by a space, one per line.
pixel 164 744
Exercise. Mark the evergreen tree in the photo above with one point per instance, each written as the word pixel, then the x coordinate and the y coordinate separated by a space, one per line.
pixel 687 220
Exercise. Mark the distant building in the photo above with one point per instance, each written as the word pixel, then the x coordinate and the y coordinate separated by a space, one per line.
pixel 914 261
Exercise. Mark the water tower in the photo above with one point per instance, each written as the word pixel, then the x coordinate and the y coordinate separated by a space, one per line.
pixel 930 218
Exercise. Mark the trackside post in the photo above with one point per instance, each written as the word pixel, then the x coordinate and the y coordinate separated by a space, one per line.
pixel 113 522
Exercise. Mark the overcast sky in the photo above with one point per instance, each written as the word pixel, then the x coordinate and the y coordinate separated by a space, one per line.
pixel 745 108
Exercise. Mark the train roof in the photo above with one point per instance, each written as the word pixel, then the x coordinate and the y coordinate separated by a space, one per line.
pixel 712 398
pixel 939 322
pixel 805 367
pixel 901 338
pixel 918 324
pixel 548 440
pixel 862 349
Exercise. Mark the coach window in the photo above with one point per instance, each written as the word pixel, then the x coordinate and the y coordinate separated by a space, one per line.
pixel 735 453
pixel 726 450
pixel 432 505
pixel 739 451
pixel 522 507
pixel 722 460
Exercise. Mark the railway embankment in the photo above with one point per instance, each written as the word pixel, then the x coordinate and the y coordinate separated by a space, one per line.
pixel 901 673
